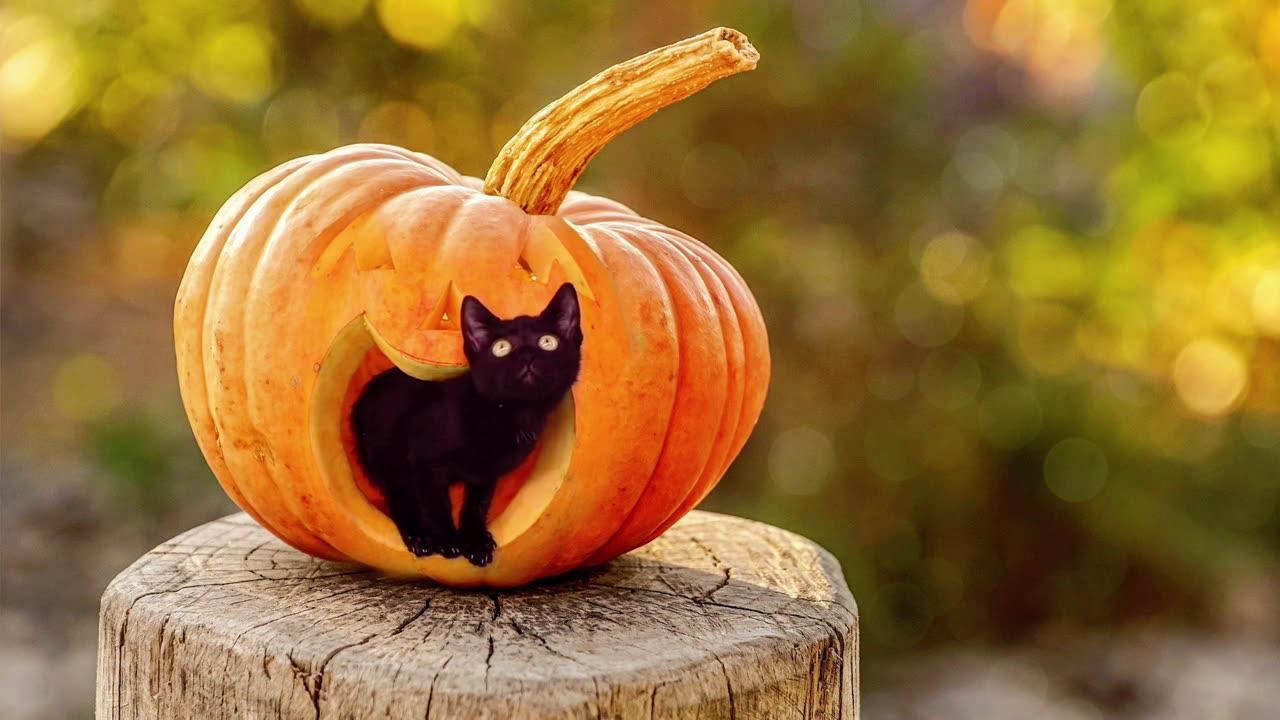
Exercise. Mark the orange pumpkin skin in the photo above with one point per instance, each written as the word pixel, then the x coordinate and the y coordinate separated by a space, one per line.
pixel 315 263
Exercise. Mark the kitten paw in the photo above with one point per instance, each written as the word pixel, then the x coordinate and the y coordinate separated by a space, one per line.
pixel 420 545
pixel 450 546
pixel 479 549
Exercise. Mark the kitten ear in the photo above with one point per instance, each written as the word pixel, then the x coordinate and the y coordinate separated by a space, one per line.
pixel 564 312
pixel 477 324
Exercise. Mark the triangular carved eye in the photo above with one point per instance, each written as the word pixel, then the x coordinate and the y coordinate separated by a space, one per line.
pixel 447 310
pixel 373 253
pixel 371 249
pixel 546 260
pixel 524 265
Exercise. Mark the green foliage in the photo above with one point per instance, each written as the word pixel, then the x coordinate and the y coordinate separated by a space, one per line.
pixel 135 456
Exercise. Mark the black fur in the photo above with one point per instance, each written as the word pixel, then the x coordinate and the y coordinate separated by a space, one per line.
pixel 417 438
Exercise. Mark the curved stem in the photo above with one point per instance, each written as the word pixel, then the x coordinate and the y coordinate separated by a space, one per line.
pixel 539 165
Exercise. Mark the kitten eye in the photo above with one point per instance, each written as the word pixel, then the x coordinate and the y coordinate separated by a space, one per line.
pixel 502 348
pixel 548 342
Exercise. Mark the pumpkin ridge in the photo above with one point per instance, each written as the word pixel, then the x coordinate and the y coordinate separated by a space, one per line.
pixel 730 415
pixel 580 203
pixel 360 152
pixel 759 336
pixel 735 286
pixel 588 214
pixel 248 254
pixel 447 174
pixel 214 369
pixel 712 263
pixel 671 483
pixel 202 256
pixel 669 305
pixel 731 410
pixel 449 232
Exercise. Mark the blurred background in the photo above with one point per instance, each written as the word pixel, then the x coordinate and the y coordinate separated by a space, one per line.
pixel 1020 262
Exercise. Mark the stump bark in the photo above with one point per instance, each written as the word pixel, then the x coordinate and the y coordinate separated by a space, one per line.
pixel 718 618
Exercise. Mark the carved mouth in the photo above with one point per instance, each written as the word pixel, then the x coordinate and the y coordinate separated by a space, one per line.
pixel 358 355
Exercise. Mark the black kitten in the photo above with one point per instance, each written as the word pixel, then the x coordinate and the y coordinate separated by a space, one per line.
pixel 416 438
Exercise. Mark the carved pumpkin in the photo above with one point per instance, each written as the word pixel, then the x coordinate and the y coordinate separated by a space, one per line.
pixel 328 269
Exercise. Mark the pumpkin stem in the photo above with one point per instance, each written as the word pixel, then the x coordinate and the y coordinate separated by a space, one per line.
pixel 538 167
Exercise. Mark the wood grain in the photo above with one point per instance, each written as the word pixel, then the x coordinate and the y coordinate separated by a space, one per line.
pixel 718 618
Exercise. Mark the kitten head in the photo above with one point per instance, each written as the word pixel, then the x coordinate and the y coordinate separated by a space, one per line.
pixel 525 359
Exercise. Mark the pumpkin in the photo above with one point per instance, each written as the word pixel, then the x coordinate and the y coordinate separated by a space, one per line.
pixel 329 269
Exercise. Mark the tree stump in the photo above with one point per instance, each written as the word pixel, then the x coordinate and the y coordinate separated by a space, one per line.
pixel 718 618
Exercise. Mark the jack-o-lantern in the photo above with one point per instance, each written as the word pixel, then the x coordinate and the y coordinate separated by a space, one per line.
pixel 330 269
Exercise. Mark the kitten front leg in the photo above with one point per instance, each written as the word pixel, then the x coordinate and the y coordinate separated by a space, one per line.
pixel 477 542
pixel 436 511
pixel 402 506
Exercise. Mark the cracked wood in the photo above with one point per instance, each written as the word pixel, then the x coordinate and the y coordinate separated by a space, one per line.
pixel 718 618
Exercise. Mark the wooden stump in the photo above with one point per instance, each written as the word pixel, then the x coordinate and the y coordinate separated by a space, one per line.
pixel 719 618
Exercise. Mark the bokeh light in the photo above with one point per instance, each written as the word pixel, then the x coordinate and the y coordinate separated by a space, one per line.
pixel 1269 41
pixel 1210 376
pixel 1167 107
pixel 1266 303
pixel 140 107
pixel 234 63
pixel 39 75
pixel 422 24
pixel 955 267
